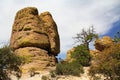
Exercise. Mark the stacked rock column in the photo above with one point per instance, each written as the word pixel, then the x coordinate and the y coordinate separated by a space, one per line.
pixel 32 39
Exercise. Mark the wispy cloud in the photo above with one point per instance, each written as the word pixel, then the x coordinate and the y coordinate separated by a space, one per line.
pixel 70 15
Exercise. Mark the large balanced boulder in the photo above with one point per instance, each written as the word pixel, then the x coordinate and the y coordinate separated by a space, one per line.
pixel 35 37
pixel 103 43
pixel 35 30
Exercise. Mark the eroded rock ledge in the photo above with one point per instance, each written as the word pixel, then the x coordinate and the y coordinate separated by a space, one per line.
pixel 36 38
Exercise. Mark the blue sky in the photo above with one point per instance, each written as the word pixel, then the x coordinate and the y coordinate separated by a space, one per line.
pixel 115 28
pixel 70 16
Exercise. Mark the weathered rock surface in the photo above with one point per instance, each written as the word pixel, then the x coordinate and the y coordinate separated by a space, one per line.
pixel 105 42
pixel 52 32
pixel 27 38
pixel 35 37
pixel 35 58
pixel 68 56
pixel 94 53
pixel 31 29
pixel 100 45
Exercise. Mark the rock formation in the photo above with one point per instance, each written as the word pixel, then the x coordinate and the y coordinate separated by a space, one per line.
pixel 68 56
pixel 101 44
pixel 105 42
pixel 35 37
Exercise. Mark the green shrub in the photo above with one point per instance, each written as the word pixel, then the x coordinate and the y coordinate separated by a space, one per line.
pixel 66 68
pixel 117 37
pixel 107 63
pixel 45 78
pixel 26 59
pixel 9 63
pixel 81 55
pixel 52 74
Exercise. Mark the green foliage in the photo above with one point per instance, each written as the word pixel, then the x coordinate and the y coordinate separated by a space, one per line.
pixel 52 74
pixel 26 59
pixel 81 55
pixel 117 37
pixel 66 68
pixel 32 72
pixel 108 63
pixel 45 78
pixel 86 36
pixel 9 63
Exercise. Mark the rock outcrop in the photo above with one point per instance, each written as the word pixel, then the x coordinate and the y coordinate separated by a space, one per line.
pixel 105 42
pixel 101 45
pixel 68 56
pixel 35 37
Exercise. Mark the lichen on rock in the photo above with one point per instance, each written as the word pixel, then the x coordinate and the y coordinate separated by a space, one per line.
pixel 36 38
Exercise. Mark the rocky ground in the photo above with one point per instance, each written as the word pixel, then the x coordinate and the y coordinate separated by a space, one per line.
pixel 83 76
pixel 46 73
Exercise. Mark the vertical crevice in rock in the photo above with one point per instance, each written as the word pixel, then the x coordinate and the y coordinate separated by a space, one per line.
pixel 35 37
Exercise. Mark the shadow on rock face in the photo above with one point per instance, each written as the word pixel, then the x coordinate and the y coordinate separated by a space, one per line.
pixel 36 37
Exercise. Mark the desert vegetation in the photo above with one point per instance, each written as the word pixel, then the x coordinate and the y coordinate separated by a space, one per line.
pixel 9 63
pixel 80 56
pixel 105 65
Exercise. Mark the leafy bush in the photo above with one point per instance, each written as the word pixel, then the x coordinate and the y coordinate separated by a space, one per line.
pixel 81 55
pixel 45 78
pixel 66 68
pixel 117 37
pixel 52 74
pixel 9 63
pixel 108 63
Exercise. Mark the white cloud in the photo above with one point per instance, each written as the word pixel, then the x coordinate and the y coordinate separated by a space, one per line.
pixel 70 15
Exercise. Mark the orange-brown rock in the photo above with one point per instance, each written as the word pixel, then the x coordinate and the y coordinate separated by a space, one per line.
pixel 101 45
pixel 68 56
pixel 105 42
pixel 35 37
pixel 28 38
pixel 52 32
pixel 94 53
pixel 35 58
pixel 30 29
